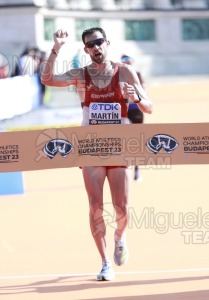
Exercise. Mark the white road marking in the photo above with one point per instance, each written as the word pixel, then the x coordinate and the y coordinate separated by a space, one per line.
pixel 117 273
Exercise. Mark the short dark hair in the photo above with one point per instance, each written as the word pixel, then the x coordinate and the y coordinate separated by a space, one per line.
pixel 92 30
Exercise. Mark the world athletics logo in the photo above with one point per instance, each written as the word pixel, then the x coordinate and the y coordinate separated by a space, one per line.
pixel 162 141
pixel 54 142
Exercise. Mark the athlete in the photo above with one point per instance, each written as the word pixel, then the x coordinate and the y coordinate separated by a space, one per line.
pixel 135 115
pixel 103 81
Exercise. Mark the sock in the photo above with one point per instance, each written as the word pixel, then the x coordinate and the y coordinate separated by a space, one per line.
pixel 106 260
pixel 119 239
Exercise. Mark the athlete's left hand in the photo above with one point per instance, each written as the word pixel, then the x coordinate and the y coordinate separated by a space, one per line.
pixel 129 92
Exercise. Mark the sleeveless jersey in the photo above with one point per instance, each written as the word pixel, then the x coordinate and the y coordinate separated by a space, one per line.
pixel 108 94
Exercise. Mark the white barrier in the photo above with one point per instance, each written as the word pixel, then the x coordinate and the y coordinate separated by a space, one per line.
pixel 18 95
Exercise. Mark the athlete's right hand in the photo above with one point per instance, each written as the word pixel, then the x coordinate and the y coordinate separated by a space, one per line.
pixel 60 37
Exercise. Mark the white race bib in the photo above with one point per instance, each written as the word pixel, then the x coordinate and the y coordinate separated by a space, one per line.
pixel 104 113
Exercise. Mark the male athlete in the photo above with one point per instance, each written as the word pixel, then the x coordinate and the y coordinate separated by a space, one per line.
pixel 102 81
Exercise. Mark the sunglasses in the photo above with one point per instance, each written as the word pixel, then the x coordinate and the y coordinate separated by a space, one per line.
pixel 97 42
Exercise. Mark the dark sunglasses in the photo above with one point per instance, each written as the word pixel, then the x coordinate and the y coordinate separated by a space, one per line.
pixel 97 42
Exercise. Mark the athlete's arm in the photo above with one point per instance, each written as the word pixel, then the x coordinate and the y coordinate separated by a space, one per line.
pixel 133 89
pixel 48 77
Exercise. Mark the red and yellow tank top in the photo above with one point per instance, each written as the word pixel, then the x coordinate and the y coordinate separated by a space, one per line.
pixel 109 94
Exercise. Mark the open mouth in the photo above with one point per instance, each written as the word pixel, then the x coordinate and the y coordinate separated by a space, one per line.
pixel 98 55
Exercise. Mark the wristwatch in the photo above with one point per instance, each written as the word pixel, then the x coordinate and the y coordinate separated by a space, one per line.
pixel 139 99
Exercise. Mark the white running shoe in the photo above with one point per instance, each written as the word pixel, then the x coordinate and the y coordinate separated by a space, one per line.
pixel 106 272
pixel 121 253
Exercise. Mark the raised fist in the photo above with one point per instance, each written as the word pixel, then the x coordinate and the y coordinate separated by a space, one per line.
pixel 60 37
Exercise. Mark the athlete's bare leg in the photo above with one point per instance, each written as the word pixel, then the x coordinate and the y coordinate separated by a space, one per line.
pixel 119 180
pixel 94 178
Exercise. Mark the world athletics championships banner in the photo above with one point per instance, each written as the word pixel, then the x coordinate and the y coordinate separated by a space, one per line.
pixel 105 145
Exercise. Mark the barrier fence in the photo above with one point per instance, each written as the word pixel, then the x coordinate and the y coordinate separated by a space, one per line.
pixel 19 95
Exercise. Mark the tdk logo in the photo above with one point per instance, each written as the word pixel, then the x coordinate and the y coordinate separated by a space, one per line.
pixel 105 106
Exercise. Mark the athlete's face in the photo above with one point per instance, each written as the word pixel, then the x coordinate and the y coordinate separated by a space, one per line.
pixel 96 46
